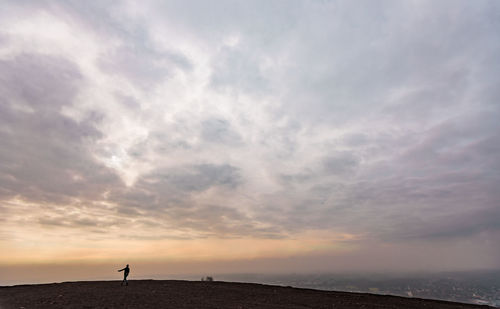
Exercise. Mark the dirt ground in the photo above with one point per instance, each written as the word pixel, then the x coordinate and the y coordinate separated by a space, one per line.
pixel 197 294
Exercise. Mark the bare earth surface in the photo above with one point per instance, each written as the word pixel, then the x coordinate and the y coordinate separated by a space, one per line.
pixel 197 294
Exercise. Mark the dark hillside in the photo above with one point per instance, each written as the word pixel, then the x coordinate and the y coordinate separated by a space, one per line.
pixel 197 294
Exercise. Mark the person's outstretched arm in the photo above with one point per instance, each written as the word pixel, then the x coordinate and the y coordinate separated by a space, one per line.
pixel 122 269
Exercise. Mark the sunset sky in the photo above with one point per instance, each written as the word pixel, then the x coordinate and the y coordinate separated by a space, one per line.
pixel 187 137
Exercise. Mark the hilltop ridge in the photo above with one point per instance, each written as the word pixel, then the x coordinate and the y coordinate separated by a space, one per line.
pixel 197 294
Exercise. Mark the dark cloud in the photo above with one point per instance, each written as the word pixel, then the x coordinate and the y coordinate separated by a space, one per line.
pixel 198 177
pixel 341 164
pixel 220 221
pixel 216 130
pixel 73 221
pixel 440 183
pixel 173 188
pixel 44 154
pixel 454 225
pixel 128 101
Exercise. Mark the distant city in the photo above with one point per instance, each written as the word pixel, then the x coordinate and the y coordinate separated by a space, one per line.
pixel 467 287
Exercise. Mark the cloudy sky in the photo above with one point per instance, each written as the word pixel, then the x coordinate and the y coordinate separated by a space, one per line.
pixel 249 136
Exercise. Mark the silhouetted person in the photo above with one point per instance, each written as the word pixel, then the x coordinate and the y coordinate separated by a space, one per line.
pixel 125 270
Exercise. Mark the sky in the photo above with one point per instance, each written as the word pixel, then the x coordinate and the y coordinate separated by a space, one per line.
pixel 248 136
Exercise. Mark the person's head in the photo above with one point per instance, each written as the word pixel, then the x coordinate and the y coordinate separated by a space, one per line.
pixel 127 265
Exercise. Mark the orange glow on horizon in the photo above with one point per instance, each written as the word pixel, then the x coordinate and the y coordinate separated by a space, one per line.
pixel 213 249
pixel 39 241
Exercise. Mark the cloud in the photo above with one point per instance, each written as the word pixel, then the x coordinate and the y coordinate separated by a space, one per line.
pixel 340 164
pixel 219 131
pixel 45 155
pixel 143 66
pixel 197 177
pixel 233 69
pixel 251 119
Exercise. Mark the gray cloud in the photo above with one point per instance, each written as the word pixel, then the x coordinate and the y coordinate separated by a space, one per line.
pixel 44 154
pixel 170 189
pixel 379 120
pixel 235 69
pixel 219 131
pixel 143 66
pixel 340 164
pixel 198 177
